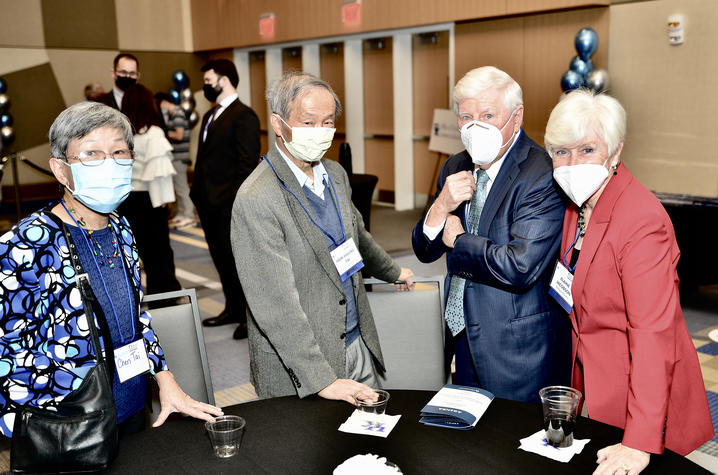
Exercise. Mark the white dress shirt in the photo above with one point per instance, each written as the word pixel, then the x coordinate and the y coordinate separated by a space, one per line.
pixel 118 96
pixel 321 177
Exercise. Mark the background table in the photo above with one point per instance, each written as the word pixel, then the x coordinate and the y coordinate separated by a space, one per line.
pixel 289 435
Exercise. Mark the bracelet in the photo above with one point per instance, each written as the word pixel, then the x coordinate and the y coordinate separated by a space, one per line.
pixel 457 237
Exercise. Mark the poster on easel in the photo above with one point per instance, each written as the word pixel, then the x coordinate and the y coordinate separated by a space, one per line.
pixel 445 136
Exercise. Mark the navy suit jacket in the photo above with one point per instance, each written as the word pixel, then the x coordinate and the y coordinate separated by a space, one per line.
pixel 519 337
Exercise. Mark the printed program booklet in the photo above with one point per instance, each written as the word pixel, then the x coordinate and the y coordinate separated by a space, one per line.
pixel 456 407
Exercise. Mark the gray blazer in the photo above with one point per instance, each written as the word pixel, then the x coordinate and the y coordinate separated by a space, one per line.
pixel 297 307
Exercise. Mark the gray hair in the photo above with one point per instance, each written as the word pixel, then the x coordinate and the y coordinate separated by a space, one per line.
pixel 479 80
pixel 282 92
pixel 78 120
pixel 581 112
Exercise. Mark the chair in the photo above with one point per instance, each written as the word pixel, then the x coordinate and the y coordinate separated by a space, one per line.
pixel 411 333
pixel 180 333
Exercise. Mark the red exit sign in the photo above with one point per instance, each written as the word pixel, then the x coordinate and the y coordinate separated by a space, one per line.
pixel 351 13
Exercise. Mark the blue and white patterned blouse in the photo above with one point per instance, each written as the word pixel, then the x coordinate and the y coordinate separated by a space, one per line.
pixel 45 343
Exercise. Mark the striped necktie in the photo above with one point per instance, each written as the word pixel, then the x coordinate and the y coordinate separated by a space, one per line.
pixel 454 313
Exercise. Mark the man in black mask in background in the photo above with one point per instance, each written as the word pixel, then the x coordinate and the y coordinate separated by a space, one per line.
pixel 228 152
pixel 125 73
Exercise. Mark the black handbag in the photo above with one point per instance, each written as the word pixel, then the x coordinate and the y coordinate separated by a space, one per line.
pixel 81 435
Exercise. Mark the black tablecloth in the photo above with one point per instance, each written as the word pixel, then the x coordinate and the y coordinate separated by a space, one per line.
pixel 288 435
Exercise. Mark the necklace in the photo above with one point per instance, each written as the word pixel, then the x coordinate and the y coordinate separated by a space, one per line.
pixel 95 246
pixel 582 222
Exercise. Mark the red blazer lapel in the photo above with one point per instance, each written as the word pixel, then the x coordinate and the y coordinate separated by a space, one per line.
pixel 597 229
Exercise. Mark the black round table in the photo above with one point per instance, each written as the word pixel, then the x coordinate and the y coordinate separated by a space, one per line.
pixel 289 435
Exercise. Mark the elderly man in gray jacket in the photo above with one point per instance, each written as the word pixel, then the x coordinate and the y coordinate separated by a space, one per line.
pixel 299 244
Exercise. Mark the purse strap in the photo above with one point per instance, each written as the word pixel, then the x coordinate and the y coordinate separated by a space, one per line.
pixel 88 297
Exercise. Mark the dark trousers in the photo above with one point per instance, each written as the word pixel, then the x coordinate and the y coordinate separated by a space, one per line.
pixel 152 235
pixel 465 374
pixel 215 221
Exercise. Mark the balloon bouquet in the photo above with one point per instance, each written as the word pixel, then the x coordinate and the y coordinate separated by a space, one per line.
pixel 580 71
pixel 7 132
pixel 181 94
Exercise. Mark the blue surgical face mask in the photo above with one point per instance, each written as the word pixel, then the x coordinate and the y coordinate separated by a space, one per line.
pixel 103 187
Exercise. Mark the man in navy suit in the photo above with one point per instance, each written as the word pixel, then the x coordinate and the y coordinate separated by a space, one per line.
pixel 497 215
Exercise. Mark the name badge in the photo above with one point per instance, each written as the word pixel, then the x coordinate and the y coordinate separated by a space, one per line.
pixel 560 290
pixel 131 360
pixel 347 259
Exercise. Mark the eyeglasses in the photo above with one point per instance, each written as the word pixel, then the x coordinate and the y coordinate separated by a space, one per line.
pixel 94 158
pixel 122 72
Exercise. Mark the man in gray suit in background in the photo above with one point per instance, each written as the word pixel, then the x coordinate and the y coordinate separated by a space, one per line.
pixel 300 244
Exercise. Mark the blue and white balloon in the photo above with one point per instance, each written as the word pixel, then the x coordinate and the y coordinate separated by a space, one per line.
pixel 180 79
pixel 586 43
pixel 5 120
pixel 571 80
pixel 175 95
pixel 580 66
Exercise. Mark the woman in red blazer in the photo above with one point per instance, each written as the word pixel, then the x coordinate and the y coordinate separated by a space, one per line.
pixel 632 355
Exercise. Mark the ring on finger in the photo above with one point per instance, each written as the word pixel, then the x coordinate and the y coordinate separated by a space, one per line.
pixel 625 467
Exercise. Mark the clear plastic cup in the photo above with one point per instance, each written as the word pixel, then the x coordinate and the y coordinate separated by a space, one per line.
pixel 560 405
pixel 372 401
pixel 225 433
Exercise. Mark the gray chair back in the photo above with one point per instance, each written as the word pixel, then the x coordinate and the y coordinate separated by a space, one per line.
pixel 411 333
pixel 180 333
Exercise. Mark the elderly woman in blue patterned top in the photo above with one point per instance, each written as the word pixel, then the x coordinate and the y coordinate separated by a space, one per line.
pixel 45 348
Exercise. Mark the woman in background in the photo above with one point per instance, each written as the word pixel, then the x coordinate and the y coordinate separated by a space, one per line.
pixel 152 189
pixel 632 355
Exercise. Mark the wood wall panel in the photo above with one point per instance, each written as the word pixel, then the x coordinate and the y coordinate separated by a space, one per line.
pixel 331 69
pixel 497 43
pixel 291 59
pixel 430 64
pixel 535 50
pixel 258 80
pixel 379 161
pixel 378 89
pixel 223 23
pixel 549 48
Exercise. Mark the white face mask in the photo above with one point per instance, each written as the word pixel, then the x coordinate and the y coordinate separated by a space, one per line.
pixel 581 181
pixel 483 140
pixel 309 144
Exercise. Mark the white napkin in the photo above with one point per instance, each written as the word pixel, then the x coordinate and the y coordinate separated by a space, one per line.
pixel 378 425
pixel 537 444
pixel 363 464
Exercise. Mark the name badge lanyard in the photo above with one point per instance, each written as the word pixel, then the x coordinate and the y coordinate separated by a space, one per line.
pixel 335 197
pixel 570 248
pixel 104 286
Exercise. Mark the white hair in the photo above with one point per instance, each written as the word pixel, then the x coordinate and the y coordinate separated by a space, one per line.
pixel 283 91
pixel 479 80
pixel 581 112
